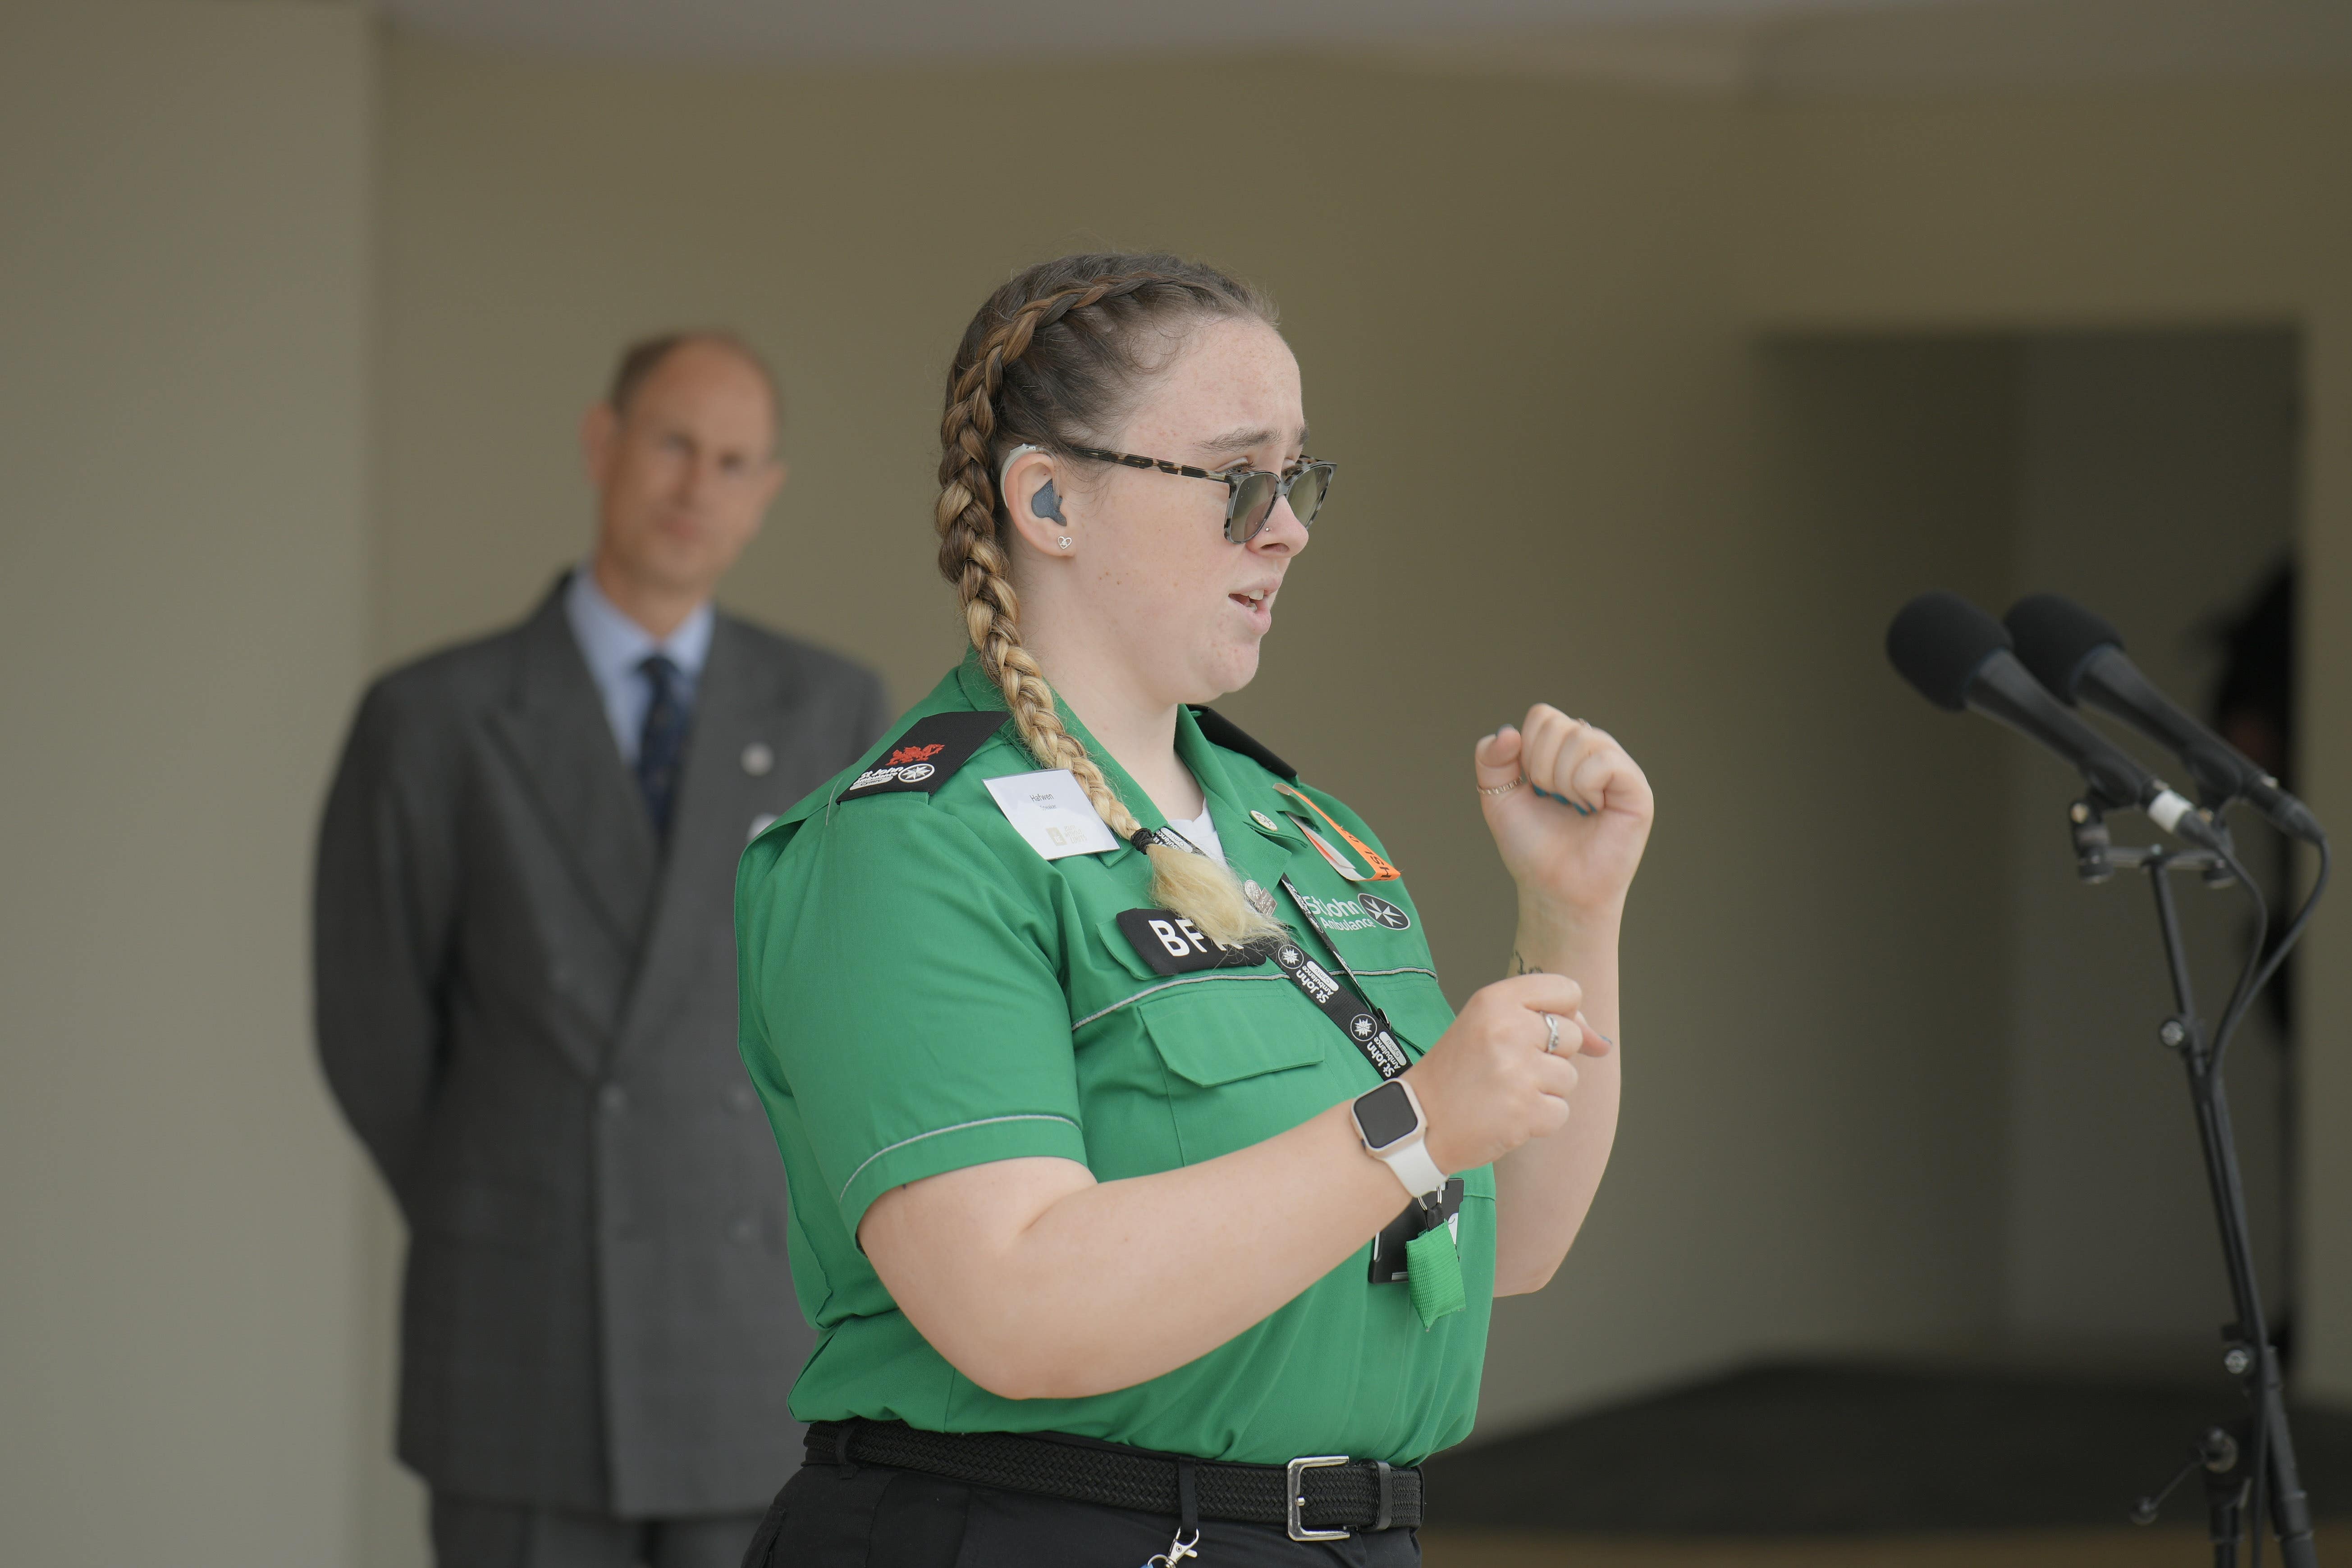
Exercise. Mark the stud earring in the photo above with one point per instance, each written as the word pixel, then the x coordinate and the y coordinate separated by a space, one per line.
pixel 1065 542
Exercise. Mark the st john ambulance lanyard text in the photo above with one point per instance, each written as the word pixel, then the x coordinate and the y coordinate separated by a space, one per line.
pixel 1366 1026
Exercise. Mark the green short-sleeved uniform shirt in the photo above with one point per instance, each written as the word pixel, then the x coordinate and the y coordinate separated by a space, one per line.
pixel 923 991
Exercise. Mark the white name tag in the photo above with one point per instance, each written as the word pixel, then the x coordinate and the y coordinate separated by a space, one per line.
pixel 1052 814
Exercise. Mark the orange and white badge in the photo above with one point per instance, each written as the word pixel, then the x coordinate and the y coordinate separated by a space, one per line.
pixel 1380 870
pixel 1340 862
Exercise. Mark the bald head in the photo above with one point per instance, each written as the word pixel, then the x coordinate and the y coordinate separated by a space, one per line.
pixel 641 359
pixel 682 455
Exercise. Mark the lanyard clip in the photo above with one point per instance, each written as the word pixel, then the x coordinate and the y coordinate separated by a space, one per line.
pixel 1185 1545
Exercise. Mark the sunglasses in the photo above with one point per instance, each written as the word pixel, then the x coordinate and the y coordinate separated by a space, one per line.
pixel 1251 492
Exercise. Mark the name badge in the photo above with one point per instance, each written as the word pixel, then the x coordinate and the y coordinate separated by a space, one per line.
pixel 1052 812
pixel 1170 945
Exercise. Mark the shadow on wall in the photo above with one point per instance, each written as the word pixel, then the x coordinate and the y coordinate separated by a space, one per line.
pixel 2094 465
pixel 2042 1134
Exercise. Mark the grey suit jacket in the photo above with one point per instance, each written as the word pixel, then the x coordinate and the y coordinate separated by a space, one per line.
pixel 527 1010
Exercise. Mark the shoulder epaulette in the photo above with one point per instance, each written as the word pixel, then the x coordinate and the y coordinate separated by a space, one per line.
pixel 1220 731
pixel 925 754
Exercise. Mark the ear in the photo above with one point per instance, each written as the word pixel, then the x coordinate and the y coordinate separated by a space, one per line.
pixel 1026 477
pixel 600 431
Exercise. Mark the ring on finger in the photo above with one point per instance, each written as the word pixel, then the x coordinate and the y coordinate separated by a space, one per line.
pixel 1503 789
pixel 1551 1032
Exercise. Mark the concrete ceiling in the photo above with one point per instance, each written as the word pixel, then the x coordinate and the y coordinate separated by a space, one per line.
pixel 1769 46
pixel 914 29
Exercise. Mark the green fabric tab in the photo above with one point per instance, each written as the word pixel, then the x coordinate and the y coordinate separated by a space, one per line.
pixel 1433 1275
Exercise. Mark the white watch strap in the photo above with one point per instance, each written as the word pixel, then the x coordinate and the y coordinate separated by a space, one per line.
pixel 1414 1168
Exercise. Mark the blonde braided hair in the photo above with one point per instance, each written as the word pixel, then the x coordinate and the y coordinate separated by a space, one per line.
pixel 1050 360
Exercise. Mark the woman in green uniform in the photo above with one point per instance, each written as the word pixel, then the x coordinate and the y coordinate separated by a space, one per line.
pixel 1147 1195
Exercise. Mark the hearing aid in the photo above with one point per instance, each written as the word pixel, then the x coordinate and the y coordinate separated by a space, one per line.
pixel 1045 503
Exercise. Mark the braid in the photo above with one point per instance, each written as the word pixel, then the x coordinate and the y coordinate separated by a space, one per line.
pixel 972 555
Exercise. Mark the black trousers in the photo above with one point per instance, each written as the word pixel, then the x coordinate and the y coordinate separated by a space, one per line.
pixel 871 1516
pixel 468 1533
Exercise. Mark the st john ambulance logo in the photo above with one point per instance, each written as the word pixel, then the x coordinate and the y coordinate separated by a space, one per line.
pixel 929 751
pixel 1387 913
pixel 907 765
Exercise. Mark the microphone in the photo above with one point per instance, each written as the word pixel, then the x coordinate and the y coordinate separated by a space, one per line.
pixel 1959 657
pixel 2081 658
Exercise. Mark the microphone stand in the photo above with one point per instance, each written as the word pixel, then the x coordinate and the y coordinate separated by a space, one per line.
pixel 2249 1464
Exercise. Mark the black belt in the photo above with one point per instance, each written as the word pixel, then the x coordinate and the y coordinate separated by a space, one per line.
pixel 1317 1498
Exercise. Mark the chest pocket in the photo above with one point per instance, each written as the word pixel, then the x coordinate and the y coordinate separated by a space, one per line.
pixel 1415 1007
pixel 1245 1059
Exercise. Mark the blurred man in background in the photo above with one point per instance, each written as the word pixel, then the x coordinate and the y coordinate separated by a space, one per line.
pixel 526 1007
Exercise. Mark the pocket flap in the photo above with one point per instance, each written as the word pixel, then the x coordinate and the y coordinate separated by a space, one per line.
pixel 1216 1031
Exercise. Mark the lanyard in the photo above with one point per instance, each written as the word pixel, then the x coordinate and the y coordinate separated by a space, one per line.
pixel 1366 1026
pixel 1419 1247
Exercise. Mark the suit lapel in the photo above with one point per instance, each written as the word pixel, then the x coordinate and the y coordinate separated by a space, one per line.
pixel 557 739
pixel 736 704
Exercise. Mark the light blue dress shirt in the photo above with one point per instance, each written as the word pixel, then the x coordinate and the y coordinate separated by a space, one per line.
pixel 615 645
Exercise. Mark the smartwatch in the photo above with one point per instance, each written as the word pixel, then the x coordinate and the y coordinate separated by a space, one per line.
pixel 1390 1122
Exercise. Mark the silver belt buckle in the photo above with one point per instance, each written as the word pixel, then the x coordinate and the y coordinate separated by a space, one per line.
pixel 1295 1497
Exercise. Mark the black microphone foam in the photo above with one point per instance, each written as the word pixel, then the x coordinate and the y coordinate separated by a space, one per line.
pixel 1938 641
pixel 1959 657
pixel 2081 658
pixel 2056 637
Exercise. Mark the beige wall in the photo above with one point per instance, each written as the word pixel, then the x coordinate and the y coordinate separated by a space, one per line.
pixel 2148 207
pixel 182 308
pixel 2156 481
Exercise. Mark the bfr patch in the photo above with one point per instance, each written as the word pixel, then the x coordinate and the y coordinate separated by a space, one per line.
pixel 923 758
pixel 1171 945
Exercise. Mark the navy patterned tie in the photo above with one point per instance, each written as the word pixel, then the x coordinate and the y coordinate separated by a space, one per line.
pixel 661 745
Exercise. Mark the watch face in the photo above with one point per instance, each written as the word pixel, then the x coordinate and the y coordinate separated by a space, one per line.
pixel 1386 1115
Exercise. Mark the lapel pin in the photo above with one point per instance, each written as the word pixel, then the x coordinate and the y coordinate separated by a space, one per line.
pixel 1263 820
pixel 758 759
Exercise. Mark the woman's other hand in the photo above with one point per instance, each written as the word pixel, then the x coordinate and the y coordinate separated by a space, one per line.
pixel 1573 856
pixel 1494 1080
